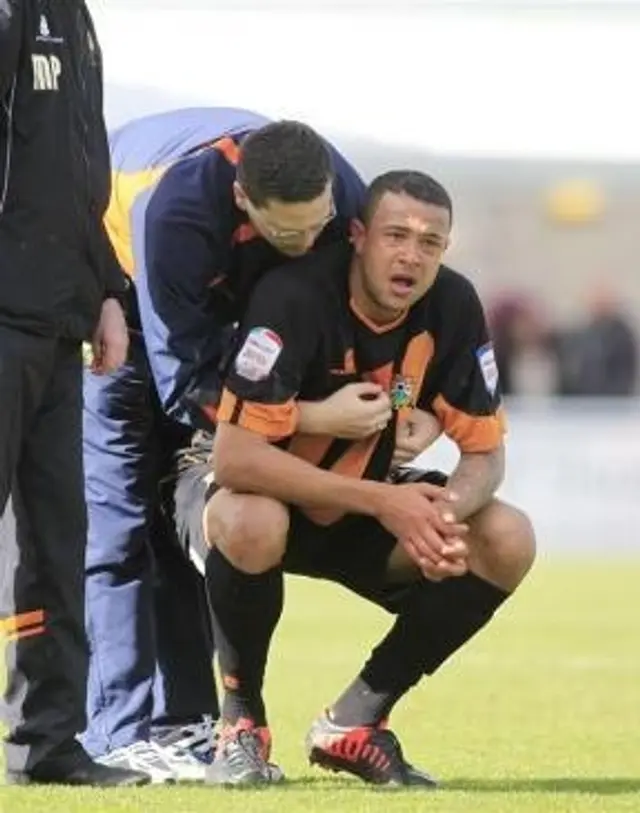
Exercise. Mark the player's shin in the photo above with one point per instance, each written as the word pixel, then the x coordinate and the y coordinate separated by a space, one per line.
pixel 245 610
pixel 436 620
pixel 433 622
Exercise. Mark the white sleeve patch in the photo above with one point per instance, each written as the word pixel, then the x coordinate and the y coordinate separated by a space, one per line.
pixel 258 354
pixel 488 367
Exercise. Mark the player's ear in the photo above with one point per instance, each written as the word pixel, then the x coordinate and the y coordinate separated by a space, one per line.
pixel 357 234
pixel 239 196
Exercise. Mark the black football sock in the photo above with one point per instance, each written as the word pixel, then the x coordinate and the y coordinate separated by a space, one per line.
pixel 437 619
pixel 362 705
pixel 245 611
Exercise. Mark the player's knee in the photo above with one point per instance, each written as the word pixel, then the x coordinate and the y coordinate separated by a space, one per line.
pixel 503 544
pixel 250 530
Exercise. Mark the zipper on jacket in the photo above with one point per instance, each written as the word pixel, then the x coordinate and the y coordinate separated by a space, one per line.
pixel 8 106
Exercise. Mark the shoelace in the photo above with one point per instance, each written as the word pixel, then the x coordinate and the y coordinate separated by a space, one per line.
pixel 198 739
pixel 181 756
pixel 244 750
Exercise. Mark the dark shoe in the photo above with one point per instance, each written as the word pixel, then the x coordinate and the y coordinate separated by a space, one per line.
pixel 242 757
pixel 373 754
pixel 77 769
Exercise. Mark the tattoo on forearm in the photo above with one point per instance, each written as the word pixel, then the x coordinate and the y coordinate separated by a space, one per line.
pixel 475 480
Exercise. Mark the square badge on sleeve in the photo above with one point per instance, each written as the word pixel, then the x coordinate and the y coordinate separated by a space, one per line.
pixel 488 367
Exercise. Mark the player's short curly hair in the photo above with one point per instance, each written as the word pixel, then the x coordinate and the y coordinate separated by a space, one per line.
pixel 416 184
pixel 285 161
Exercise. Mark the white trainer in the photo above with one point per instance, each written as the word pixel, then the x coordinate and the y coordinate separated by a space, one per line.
pixel 188 749
pixel 142 756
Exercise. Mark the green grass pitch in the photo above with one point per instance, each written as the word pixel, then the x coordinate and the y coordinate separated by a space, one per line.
pixel 541 712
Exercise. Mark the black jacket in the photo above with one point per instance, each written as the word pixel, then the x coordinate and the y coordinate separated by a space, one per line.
pixel 56 262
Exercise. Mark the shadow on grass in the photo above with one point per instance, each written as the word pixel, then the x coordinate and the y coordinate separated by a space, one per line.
pixel 603 786
pixel 599 786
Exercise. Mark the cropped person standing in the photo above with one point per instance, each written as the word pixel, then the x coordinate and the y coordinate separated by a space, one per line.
pixel 59 285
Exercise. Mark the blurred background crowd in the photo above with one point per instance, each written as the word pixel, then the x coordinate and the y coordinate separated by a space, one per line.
pixel 597 355
pixel 534 136
pixel 555 259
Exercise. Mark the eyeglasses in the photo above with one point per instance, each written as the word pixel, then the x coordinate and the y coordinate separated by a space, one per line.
pixel 290 234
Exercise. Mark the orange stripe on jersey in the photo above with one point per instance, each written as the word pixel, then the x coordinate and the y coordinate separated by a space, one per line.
pixel 311 448
pixel 16 622
pixel 472 433
pixel 30 632
pixel 355 460
pixel 382 376
pixel 227 406
pixel 417 358
pixel 273 421
pixel 228 147
pixel 353 463
pixel 23 625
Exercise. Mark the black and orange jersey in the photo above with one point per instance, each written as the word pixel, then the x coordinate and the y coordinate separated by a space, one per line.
pixel 303 339
pixel 192 253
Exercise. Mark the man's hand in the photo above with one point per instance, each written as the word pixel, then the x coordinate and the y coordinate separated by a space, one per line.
pixel 356 411
pixel 419 516
pixel 111 339
pixel 414 435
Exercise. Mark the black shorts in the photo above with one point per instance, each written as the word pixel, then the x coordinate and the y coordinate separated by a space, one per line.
pixel 353 552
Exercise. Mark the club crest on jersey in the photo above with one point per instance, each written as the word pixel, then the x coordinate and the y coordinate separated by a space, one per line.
pixel 488 367
pixel 258 354
pixel 402 392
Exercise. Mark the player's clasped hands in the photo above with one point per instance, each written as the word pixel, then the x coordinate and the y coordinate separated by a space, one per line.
pixel 419 515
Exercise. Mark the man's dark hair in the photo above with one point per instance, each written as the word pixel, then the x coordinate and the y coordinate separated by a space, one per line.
pixel 406 182
pixel 286 161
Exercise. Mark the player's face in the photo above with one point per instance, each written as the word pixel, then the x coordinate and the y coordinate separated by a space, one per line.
pixel 292 228
pixel 400 251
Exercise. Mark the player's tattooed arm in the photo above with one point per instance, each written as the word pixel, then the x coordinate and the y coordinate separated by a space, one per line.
pixel 475 480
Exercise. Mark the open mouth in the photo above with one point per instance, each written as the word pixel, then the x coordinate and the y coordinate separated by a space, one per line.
pixel 402 284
